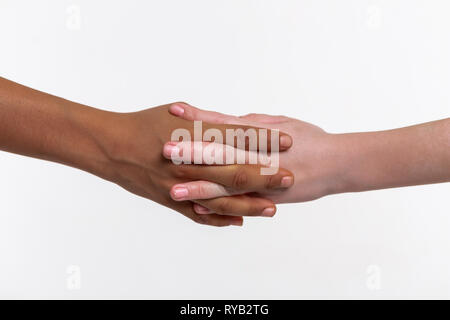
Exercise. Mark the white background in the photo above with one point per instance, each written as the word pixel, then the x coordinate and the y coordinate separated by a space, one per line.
pixel 344 65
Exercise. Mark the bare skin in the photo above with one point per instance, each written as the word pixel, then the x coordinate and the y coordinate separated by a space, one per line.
pixel 124 148
pixel 325 163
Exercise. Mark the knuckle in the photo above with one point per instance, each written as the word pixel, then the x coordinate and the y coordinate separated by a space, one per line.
pixel 224 207
pixel 240 180
pixel 180 172
pixel 200 191
pixel 216 223
pixel 253 210
pixel 271 181
pixel 222 224
pixel 206 220
pixel 200 219
pixel 167 184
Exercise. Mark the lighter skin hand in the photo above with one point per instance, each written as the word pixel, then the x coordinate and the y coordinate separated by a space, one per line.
pixel 325 163
pixel 310 144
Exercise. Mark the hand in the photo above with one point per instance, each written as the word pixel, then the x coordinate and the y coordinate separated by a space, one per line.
pixel 125 149
pixel 325 163
pixel 136 141
pixel 311 159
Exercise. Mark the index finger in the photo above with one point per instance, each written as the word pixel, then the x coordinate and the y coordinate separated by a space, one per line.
pixel 238 136
pixel 240 178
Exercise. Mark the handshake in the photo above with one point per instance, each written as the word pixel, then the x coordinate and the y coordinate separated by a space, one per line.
pixel 224 167
pixel 264 160
pixel 214 168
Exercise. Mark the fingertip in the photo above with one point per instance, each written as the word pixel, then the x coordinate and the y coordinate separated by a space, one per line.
pixel 201 209
pixel 179 192
pixel 268 212
pixel 171 149
pixel 237 221
pixel 286 178
pixel 177 109
pixel 287 181
pixel 285 142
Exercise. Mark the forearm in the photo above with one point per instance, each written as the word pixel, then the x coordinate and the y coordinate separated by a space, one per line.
pixel 40 125
pixel 125 148
pixel 402 157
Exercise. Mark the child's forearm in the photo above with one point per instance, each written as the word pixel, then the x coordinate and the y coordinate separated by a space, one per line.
pixel 407 156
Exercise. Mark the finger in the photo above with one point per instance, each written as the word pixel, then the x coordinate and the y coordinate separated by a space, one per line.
pixel 239 135
pixel 240 178
pixel 198 208
pixel 210 153
pixel 198 190
pixel 246 137
pixel 188 112
pixel 240 205
pixel 264 118
pixel 215 220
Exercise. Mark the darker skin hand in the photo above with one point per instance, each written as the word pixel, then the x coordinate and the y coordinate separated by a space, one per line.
pixel 140 168
pixel 125 148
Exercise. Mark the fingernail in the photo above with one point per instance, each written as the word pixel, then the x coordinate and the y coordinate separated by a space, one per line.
pixel 286 182
pixel 171 150
pixel 179 193
pixel 238 223
pixel 285 141
pixel 177 110
pixel 268 212
pixel 200 209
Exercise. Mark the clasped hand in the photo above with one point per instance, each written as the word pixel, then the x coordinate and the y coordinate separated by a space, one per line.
pixel 221 195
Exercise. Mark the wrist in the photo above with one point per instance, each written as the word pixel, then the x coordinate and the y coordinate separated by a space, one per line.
pixel 95 137
pixel 118 137
pixel 366 160
pixel 345 155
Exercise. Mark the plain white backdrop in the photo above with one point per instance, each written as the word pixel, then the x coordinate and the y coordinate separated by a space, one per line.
pixel 346 66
